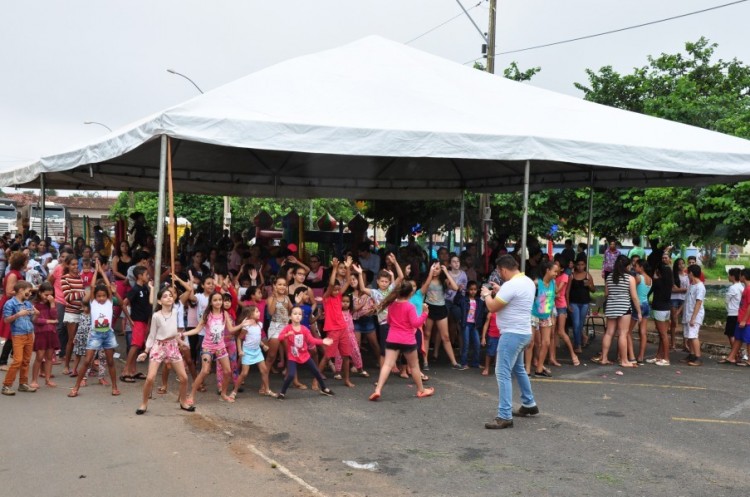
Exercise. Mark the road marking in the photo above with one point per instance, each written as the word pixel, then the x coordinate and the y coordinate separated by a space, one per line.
pixel 731 412
pixel 720 421
pixel 599 382
pixel 285 471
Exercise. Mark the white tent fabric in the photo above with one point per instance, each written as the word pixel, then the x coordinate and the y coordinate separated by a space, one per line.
pixel 377 119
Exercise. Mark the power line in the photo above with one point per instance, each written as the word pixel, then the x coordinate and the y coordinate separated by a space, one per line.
pixel 650 23
pixel 619 30
pixel 442 24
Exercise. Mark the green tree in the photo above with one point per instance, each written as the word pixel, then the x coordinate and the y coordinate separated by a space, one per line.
pixel 692 88
pixel 205 212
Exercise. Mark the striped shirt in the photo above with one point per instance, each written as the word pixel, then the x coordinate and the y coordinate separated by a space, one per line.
pixel 618 296
pixel 73 292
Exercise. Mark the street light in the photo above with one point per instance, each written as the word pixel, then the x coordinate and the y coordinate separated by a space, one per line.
pixel 172 71
pixel 100 124
pixel 227 221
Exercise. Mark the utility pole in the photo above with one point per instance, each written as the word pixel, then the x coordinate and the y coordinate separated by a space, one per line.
pixel 491 37
pixel 485 212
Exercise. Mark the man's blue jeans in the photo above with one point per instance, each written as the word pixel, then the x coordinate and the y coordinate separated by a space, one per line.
pixel 510 362
pixel 578 313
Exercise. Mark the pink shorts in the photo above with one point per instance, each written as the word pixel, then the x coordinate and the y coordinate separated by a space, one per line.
pixel 165 351
pixel 340 346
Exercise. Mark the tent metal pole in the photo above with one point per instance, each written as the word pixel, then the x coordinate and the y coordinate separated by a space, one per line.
pixel 525 220
pixel 43 196
pixel 461 224
pixel 160 217
pixel 591 218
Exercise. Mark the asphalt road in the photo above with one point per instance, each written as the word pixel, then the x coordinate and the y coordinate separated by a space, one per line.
pixel 676 431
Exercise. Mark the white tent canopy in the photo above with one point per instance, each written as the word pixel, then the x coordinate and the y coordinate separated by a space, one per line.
pixel 377 119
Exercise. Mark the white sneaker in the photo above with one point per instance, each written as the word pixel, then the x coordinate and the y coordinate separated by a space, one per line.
pixel 662 362
pixel 653 360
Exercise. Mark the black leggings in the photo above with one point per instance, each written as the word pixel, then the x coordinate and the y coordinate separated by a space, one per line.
pixel 291 370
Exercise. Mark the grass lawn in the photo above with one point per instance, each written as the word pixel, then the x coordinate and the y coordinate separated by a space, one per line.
pixel 718 272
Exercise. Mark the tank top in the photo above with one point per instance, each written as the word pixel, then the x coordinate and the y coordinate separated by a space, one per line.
pixel 579 292
pixel 561 286
pixel 280 316
pixel 215 325
pixel 642 289
pixel 618 296
pixel 435 293
pixel 122 266
pixel 252 336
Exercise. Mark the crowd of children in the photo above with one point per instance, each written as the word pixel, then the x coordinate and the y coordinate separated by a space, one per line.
pixel 237 310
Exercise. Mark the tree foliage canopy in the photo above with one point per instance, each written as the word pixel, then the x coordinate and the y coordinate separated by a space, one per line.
pixel 695 89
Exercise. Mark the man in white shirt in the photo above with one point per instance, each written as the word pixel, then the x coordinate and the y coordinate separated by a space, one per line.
pixel 512 303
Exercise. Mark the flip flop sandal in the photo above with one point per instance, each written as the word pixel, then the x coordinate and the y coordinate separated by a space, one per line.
pixel 73 393
pixel 427 392
pixel 115 393
pixel 139 376
pixel 126 378
pixel 364 374
pixel 425 377
pixel 161 390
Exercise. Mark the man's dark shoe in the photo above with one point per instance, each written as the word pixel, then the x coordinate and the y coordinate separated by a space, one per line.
pixel 524 411
pixel 499 424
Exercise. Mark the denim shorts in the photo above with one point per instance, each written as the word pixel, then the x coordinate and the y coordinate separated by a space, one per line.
pixel 561 311
pixel 645 309
pixel 677 303
pixel 492 346
pixel 98 340
pixel 365 324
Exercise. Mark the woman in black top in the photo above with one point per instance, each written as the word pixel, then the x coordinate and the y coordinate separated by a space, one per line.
pixel 661 306
pixel 579 297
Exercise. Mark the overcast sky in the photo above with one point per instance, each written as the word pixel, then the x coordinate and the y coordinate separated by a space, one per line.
pixel 63 63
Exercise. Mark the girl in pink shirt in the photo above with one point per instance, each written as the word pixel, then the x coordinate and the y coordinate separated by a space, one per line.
pixel 402 324
pixel 298 339
pixel 561 305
